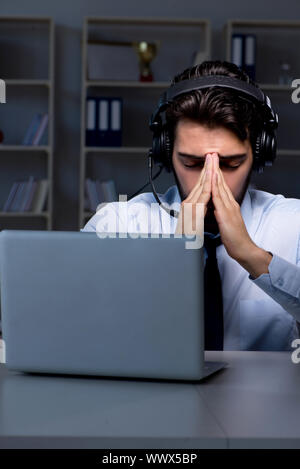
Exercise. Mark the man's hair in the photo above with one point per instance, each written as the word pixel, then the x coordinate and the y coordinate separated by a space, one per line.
pixel 214 106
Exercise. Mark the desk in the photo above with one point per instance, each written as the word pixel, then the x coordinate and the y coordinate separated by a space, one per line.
pixel 253 403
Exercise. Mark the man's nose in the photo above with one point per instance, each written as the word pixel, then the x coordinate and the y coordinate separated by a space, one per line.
pixel 212 154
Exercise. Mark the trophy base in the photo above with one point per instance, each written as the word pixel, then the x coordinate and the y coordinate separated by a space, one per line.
pixel 146 77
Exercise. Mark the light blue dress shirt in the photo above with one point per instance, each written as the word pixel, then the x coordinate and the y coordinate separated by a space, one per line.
pixel 260 313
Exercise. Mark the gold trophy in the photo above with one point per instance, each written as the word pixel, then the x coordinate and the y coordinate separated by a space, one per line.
pixel 146 52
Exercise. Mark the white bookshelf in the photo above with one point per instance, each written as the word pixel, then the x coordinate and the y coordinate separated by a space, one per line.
pixel 27 67
pixel 127 164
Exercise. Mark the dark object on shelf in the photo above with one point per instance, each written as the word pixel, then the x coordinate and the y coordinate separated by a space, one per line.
pixel 104 122
pixel 243 53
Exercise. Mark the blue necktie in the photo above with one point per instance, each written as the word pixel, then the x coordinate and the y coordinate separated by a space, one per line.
pixel 213 300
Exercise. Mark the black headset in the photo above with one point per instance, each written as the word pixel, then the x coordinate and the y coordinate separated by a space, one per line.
pixel 264 151
pixel 264 147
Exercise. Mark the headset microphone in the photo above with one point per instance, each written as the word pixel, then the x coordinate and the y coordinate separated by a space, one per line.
pixel 171 212
pixel 147 183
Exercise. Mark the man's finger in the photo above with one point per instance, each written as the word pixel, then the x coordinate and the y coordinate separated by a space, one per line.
pixel 201 177
pixel 205 174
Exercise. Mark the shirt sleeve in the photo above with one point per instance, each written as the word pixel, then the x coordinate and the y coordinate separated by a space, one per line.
pixel 282 283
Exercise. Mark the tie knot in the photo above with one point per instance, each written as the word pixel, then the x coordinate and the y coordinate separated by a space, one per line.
pixel 211 244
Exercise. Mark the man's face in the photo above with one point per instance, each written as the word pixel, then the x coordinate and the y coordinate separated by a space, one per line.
pixel 192 143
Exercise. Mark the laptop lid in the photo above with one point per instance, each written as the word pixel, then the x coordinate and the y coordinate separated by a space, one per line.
pixel 76 303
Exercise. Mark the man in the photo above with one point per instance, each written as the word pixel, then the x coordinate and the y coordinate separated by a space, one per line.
pixel 259 255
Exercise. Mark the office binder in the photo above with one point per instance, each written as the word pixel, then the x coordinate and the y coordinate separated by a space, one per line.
pixel 237 49
pixel 103 138
pixel 116 121
pixel 109 122
pixel 91 122
pixel 243 52
pixel 250 55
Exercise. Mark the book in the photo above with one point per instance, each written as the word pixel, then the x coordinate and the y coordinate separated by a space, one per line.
pixel 250 55
pixel 30 197
pixel 40 196
pixel 33 126
pixel 116 122
pixel 20 196
pixel 243 52
pixel 109 190
pixel 237 49
pixel 103 126
pixel 109 122
pixel 91 121
pixel 17 201
pixel 26 193
pixel 10 197
pixel 41 129
pixel 92 194
pixel 100 191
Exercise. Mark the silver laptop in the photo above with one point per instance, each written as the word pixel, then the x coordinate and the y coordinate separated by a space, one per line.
pixel 75 303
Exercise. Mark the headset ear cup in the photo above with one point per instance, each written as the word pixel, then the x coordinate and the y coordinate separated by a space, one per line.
pixel 162 148
pixel 156 150
pixel 271 147
pixel 257 152
pixel 168 150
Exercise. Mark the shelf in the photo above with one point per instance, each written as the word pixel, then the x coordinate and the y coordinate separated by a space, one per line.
pixel 294 152
pixel 262 23
pixel 275 87
pixel 144 21
pixel 29 82
pixel 31 85
pixel 127 84
pixel 116 149
pixel 165 84
pixel 27 19
pixel 24 214
pixel 180 40
pixel 24 148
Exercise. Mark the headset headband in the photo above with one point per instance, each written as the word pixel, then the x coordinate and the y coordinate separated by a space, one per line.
pixel 255 94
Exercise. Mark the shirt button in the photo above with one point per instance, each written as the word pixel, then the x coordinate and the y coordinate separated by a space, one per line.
pixel 280 282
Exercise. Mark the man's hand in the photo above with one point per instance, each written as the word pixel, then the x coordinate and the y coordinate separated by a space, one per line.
pixel 227 212
pixel 233 231
pixel 194 207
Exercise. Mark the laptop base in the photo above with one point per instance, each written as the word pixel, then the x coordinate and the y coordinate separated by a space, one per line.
pixel 211 367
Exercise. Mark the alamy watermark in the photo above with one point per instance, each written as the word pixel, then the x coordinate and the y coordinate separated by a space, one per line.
pixel 296 353
pixel 296 93
pixel 2 92
pixel 124 219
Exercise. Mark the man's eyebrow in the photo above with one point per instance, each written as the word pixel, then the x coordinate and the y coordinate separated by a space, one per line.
pixel 228 157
